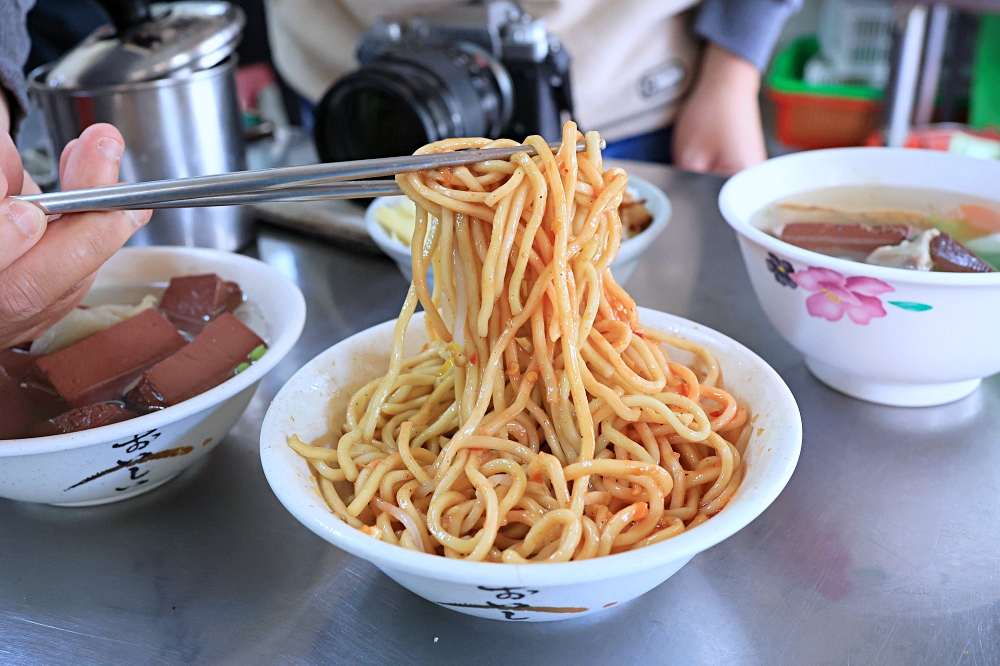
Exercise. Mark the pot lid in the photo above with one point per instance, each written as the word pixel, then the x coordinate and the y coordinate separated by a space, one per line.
pixel 153 42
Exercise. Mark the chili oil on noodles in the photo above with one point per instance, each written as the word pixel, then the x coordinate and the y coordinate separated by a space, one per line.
pixel 542 422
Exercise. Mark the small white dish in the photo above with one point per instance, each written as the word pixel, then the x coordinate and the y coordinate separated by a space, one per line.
pixel 125 459
pixel 622 268
pixel 919 338
pixel 318 394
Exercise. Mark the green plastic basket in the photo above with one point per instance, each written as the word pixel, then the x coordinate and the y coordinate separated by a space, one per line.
pixel 789 65
pixel 818 116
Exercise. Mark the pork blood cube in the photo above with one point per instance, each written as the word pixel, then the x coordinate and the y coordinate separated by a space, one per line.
pixel 101 367
pixel 950 256
pixel 191 301
pixel 210 359
pixel 850 240
pixel 23 398
pixel 83 418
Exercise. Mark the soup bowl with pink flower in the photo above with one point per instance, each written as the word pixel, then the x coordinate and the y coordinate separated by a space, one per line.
pixel 886 335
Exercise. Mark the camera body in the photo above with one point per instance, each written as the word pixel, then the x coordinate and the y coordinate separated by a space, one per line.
pixel 480 69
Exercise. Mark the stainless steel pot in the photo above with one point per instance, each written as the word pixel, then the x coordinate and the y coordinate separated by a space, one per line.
pixel 185 122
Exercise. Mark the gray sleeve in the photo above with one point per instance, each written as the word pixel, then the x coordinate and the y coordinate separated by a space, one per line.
pixel 747 28
pixel 14 47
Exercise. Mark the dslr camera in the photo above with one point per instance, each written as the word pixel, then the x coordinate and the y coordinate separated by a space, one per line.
pixel 480 69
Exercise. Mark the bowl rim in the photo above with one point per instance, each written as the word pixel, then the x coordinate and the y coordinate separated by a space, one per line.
pixel 288 331
pixel 399 252
pixel 846 266
pixel 285 483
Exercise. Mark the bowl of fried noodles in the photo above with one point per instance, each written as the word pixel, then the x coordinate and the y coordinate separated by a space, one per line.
pixel 532 446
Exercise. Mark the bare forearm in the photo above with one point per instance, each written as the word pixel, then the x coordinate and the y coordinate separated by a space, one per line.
pixel 721 68
pixel 718 128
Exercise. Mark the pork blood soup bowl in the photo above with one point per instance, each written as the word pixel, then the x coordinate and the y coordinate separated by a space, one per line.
pixel 113 462
pixel 315 399
pixel 886 335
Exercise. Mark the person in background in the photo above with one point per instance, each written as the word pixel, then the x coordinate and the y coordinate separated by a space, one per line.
pixel 640 74
pixel 46 267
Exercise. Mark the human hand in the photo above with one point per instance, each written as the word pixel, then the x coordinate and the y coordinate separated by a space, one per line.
pixel 47 268
pixel 718 130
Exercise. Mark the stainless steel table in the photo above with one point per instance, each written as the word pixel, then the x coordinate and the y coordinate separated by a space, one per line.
pixel 883 549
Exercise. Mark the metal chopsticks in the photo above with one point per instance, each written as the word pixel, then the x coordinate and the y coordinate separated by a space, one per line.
pixel 346 189
pixel 301 183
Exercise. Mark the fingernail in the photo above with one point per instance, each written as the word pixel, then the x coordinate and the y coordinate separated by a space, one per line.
pixel 138 218
pixel 110 148
pixel 30 220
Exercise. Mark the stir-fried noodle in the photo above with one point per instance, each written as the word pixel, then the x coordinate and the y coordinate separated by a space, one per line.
pixel 542 423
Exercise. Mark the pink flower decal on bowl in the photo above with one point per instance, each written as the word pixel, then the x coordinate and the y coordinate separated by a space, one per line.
pixel 835 294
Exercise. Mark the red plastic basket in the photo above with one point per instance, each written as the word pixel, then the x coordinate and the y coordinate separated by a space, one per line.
pixel 816 121
pixel 818 116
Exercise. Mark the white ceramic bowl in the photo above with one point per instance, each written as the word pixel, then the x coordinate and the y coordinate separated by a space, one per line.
pixel 125 459
pixel 318 394
pixel 624 264
pixel 930 338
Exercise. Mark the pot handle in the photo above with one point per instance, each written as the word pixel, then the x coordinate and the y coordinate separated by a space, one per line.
pixel 126 14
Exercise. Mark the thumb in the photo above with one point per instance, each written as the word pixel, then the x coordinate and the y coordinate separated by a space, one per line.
pixel 21 226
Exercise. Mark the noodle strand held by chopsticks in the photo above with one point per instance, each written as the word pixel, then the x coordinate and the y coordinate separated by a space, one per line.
pixel 542 422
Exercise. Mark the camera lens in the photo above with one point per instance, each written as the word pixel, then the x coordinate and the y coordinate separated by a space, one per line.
pixel 406 99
